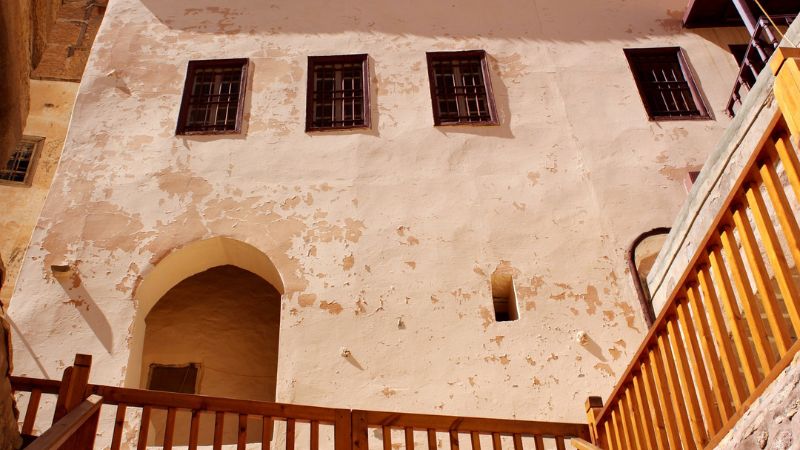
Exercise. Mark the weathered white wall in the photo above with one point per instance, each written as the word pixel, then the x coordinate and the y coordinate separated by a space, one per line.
pixel 51 105
pixel 385 239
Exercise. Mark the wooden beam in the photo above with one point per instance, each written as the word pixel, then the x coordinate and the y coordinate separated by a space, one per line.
pixel 68 425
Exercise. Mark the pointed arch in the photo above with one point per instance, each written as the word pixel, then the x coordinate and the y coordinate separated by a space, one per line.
pixel 181 264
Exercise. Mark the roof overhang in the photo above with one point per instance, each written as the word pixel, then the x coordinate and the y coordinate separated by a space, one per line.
pixel 722 13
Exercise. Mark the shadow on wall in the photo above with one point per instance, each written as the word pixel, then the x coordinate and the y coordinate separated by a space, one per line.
pixel 511 19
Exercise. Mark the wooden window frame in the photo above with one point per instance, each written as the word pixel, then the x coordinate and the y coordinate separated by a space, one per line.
pixel 196 366
pixel 191 69
pixel 688 75
pixel 487 83
pixel 361 58
pixel 38 143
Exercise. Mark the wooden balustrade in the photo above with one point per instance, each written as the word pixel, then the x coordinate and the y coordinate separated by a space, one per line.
pixel 731 324
pixel 167 420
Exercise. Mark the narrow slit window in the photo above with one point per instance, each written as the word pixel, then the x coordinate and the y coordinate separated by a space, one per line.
pixel 174 378
pixel 338 92
pixel 461 91
pixel 665 84
pixel 18 168
pixel 504 298
pixel 213 97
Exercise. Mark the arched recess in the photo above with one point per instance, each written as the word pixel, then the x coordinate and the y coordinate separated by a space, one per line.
pixel 181 264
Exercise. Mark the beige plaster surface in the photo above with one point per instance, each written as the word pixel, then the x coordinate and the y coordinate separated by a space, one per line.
pixel 51 105
pixel 384 239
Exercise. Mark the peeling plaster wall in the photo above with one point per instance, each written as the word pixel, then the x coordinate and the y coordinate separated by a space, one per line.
pixel 386 238
pixel 51 104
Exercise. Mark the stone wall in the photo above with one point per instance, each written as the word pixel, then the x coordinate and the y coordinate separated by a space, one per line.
pixel 772 421
pixel 9 434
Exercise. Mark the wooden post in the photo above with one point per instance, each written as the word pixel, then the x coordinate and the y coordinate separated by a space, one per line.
pixel 593 407
pixel 73 391
pixel 786 67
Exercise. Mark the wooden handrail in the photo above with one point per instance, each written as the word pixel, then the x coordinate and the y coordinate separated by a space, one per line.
pixel 67 426
pixel 580 444
pixel 350 427
pixel 732 322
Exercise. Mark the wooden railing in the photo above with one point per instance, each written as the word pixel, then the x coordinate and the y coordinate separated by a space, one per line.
pixel 731 325
pixel 146 419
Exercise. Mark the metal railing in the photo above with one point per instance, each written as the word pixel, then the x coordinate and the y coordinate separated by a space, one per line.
pixel 761 47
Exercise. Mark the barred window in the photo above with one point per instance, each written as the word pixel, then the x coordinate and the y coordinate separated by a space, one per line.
pixel 665 84
pixel 19 166
pixel 213 97
pixel 338 92
pixel 461 91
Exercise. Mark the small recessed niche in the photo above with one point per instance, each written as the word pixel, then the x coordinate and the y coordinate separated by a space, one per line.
pixel 504 297
pixel 174 378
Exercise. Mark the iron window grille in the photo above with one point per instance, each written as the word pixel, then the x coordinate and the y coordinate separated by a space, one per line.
pixel 338 92
pixel 18 168
pixel 665 83
pixel 213 97
pixel 461 89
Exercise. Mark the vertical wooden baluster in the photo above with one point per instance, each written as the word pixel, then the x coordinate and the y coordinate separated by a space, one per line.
pixel 710 410
pixel 619 439
pixel 624 418
pixel 560 443
pixel 652 403
pixel 431 439
pixel 647 427
pixel 665 399
pixel 517 441
pixel 678 401
pixel 119 423
pixel 720 332
pixel 538 441
pixel 788 157
pixel 453 440
pixel 144 428
pixel 241 443
pixel 775 254
pixel 219 427
pixel 719 384
pixel 314 444
pixel 778 326
pixel 350 430
pixel 636 417
pixel 611 439
pixel 740 335
pixel 194 429
pixel 30 412
pixel 266 432
pixel 290 434
pixel 387 438
pixel 476 440
pixel 409 438
pixel 169 429
pixel 764 353
pixel 496 445
pixel 687 384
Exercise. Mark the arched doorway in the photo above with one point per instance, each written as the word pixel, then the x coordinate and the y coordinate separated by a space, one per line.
pixel 183 265
pixel 214 333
